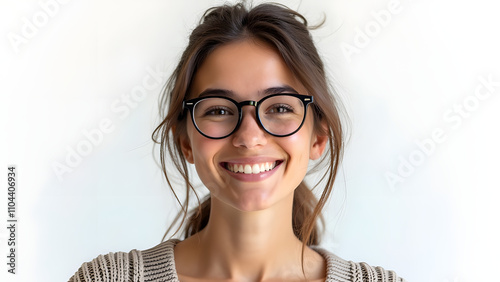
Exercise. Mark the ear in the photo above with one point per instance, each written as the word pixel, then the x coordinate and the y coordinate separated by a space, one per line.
pixel 318 145
pixel 186 148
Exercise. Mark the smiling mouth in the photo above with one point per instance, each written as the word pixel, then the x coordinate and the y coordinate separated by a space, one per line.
pixel 251 168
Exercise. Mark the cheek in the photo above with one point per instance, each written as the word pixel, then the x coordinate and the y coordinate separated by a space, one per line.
pixel 203 150
pixel 297 148
pixel 300 143
pixel 204 154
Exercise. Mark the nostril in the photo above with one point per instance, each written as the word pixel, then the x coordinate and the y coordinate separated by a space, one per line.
pixel 249 134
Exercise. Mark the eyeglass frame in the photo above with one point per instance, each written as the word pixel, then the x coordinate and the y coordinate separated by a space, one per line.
pixel 190 104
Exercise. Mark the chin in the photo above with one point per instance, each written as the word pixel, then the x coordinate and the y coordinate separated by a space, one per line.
pixel 252 201
pixel 251 204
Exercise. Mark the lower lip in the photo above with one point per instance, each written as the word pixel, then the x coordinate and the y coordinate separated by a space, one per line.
pixel 253 177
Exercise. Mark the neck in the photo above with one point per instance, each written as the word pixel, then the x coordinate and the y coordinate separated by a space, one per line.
pixel 249 235
pixel 246 246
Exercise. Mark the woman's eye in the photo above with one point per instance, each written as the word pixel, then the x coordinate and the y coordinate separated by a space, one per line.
pixel 218 112
pixel 280 109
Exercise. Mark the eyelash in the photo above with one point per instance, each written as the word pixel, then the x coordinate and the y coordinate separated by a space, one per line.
pixel 209 112
pixel 287 107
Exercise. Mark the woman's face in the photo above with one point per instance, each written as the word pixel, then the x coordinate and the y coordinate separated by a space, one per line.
pixel 250 70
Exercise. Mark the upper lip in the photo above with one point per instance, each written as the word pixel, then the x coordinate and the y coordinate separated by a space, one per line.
pixel 251 160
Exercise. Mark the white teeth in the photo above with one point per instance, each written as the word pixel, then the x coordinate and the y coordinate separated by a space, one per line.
pixel 248 169
pixel 251 168
pixel 235 168
pixel 255 169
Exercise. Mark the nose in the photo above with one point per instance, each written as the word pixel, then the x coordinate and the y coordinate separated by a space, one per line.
pixel 249 133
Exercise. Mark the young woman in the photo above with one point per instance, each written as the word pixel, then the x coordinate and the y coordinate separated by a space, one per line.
pixel 249 105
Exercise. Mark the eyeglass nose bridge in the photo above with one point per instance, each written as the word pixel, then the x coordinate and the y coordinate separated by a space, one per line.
pixel 247 103
pixel 240 106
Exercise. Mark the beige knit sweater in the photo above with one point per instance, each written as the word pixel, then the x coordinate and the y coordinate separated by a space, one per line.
pixel 157 264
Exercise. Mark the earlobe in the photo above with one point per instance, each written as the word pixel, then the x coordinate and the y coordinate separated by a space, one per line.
pixel 318 146
pixel 187 151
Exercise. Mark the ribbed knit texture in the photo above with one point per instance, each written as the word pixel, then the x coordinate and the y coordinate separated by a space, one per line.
pixel 157 264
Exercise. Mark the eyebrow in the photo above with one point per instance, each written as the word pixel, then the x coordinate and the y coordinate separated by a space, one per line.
pixel 280 89
pixel 216 91
pixel 265 92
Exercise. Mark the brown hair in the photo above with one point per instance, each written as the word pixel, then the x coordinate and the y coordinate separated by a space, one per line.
pixel 288 32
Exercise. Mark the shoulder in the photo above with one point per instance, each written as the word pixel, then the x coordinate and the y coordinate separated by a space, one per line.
pixel 339 269
pixel 118 266
pixel 152 264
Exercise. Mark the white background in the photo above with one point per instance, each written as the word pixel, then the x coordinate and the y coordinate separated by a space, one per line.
pixel 71 70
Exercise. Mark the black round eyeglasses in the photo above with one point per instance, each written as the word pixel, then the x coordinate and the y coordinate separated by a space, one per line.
pixel 217 117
